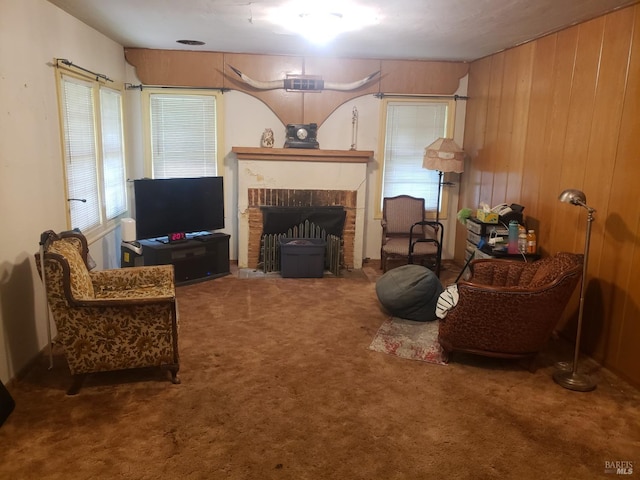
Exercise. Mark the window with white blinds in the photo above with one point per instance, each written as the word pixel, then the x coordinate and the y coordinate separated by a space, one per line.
pixel 93 153
pixel 183 134
pixel 80 156
pixel 410 127
pixel 115 195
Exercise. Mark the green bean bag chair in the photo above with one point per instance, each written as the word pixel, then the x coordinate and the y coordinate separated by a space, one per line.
pixel 410 291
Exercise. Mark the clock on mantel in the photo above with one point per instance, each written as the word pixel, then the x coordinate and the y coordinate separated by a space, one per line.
pixel 302 135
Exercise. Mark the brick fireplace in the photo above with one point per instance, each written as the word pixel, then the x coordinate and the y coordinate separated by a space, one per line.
pixel 261 197
pixel 300 177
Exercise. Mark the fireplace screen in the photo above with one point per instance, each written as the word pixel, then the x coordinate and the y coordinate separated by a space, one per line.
pixel 324 222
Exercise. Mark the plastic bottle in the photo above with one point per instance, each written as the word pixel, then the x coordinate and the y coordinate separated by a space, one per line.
pixel 522 243
pixel 512 246
pixel 531 242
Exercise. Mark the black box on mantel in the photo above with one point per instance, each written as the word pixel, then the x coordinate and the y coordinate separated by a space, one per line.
pixel 302 257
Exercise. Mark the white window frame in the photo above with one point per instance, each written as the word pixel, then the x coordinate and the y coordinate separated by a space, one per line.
pixel 429 176
pixel 147 94
pixel 100 221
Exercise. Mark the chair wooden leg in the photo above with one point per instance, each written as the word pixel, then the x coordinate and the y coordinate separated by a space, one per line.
pixel 532 365
pixel 446 355
pixel 173 369
pixel 76 385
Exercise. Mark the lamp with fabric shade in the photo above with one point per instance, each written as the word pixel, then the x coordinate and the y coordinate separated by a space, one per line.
pixel 443 155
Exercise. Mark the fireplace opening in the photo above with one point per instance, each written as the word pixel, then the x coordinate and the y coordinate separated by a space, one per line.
pixel 310 222
pixel 341 200
pixel 280 219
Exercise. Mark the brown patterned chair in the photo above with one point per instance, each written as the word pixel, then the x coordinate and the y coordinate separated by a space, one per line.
pixel 508 308
pixel 110 319
pixel 407 235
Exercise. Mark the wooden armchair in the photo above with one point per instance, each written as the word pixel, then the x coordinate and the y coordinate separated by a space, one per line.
pixel 110 319
pixel 509 308
pixel 407 235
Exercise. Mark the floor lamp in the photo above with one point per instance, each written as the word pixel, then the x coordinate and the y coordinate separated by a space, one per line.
pixel 443 155
pixel 571 379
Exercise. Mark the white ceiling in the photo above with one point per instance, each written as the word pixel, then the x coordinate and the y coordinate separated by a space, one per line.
pixel 408 29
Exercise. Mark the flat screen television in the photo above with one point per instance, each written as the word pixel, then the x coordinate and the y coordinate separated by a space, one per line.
pixel 178 205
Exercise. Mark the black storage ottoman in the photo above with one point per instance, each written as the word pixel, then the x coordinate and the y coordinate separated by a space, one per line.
pixel 302 257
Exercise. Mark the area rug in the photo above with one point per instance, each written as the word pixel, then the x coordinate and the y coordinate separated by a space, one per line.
pixel 409 339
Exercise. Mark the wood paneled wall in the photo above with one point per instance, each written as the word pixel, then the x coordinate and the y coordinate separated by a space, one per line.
pixel 564 112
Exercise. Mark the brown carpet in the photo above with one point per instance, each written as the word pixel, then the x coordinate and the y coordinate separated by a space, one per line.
pixel 278 382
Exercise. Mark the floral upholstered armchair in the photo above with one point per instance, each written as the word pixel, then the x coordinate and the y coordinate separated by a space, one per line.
pixel 509 308
pixel 110 319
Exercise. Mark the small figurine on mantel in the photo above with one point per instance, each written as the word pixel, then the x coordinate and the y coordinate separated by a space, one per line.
pixel 267 138
pixel 354 128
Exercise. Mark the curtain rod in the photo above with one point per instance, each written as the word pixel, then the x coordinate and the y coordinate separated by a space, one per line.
pixel 401 95
pixel 69 63
pixel 129 86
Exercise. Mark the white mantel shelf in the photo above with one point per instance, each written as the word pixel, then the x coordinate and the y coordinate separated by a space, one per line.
pixel 303 154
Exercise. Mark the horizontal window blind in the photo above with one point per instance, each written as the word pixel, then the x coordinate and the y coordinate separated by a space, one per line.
pixel 410 128
pixel 115 196
pixel 94 154
pixel 80 153
pixel 183 135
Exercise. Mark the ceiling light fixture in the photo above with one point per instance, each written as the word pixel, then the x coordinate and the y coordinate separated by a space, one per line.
pixel 324 21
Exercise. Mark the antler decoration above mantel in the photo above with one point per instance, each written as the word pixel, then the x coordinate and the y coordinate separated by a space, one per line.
pixel 303 83
pixel 211 69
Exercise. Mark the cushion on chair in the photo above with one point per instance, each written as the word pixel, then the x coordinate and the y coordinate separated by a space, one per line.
pixel 410 291
pixel 550 268
pixel 447 300
pixel 81 285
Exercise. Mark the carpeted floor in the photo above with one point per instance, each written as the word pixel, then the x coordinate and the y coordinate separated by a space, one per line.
pixel 278 382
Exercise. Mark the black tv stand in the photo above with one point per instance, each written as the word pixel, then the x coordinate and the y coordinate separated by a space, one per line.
pixel 204 237
pixel 195 259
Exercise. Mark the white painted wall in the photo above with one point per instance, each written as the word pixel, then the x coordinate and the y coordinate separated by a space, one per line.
pixel 32 199
pixel 244 130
